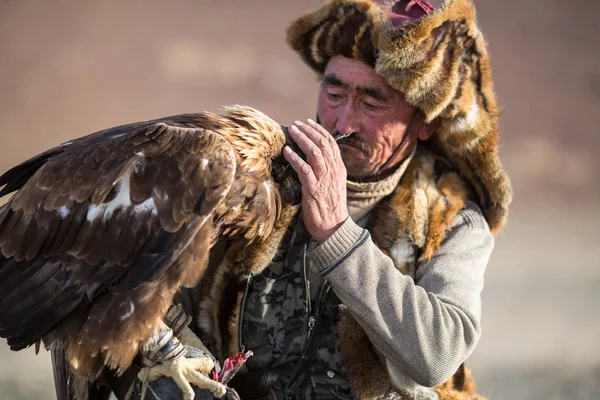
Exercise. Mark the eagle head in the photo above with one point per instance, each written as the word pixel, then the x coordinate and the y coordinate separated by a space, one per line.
pixel 284 174
pixel 259 142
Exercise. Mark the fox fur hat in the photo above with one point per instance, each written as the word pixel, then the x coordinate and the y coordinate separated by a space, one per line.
pixel 438 60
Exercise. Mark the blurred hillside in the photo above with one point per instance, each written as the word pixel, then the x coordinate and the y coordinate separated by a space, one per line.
pixel 69 68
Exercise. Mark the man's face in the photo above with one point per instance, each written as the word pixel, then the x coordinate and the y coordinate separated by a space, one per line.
pixel 354 100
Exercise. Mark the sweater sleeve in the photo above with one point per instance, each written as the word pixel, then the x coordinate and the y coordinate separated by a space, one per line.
pixel 427 327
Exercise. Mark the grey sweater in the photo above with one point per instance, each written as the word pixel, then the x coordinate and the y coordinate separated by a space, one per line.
pixel 426 326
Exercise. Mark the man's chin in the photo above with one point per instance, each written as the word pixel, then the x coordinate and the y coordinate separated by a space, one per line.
pixel 357 164
pixel 360 173
pixel 350 149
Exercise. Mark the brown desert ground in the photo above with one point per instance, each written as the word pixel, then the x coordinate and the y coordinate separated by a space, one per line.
pixel 69 68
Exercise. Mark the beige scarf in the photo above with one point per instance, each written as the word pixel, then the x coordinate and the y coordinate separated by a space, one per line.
pixel 362 197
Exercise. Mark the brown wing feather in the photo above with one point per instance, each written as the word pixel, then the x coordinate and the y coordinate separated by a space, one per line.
pixel 252 206
pixel 93 243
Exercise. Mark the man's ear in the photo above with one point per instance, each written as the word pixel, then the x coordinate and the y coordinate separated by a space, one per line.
pixel 426 130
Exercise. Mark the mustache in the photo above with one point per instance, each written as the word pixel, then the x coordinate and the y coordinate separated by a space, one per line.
pixel 352 139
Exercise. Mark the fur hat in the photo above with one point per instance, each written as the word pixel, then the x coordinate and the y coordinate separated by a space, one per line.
pixel 438 60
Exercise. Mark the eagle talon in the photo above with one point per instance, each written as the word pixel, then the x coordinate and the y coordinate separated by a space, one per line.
pixel 184 372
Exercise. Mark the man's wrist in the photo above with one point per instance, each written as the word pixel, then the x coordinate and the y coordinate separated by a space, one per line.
pixel 336 246
pixel 323 235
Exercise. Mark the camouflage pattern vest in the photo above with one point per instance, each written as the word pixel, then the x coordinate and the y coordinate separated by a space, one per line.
pixel 416 215
pixel 290 316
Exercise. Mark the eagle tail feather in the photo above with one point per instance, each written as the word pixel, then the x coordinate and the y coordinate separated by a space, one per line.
pixel 61 374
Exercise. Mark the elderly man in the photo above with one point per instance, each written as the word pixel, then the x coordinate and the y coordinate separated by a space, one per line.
pixel 372 289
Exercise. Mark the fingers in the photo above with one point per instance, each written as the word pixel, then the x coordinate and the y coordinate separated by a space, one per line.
pixel 322 131
pixel 304 171
pixel 326 141
pixel 319 136
pixel 321 150
pixel 328 136
pixel 310 142
pixel 315 132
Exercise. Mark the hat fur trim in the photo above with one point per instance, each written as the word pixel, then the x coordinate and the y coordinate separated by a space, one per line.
pixel 348 28
pixel 441 65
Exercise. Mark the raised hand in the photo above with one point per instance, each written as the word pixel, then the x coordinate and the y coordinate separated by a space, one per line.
pixel 323 178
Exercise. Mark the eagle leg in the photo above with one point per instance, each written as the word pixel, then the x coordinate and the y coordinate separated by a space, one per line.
pixel 184 371
pixel 165 355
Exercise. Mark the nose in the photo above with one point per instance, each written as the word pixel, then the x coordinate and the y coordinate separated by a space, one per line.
pixel 347 121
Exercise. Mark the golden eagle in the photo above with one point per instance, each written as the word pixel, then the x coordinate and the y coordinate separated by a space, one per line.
pixel 103 230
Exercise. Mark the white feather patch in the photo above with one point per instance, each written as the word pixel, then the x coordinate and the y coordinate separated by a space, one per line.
pixel 63 212
pixel 94 211
pixel 121 200
pixel 146 206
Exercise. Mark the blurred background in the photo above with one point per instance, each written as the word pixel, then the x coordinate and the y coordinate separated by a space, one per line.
pixel 69 68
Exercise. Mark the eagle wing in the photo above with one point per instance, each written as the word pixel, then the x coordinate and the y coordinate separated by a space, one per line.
pixel 96 240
